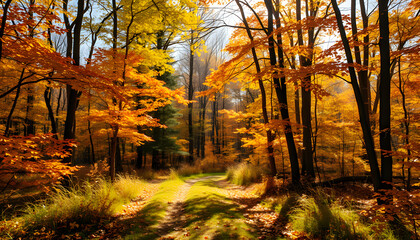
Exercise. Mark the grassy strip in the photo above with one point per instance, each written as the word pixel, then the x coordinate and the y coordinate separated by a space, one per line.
pixel 212 215
pixel 202 175
pixel 154 211
pixel 69 210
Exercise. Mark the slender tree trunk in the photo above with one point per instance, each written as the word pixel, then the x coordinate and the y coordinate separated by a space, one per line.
pixel 92 146
pixel 139 159
pixel 307 154
pixel 213 124
pixel 47 98
pixel 113 153
pixel 3 25
pixel 363 115
pixel 203 130
pixel 118 157
pixel 72 94
pixel 9 117
pixel 190 105
pixel 296 100
pixel 406 127
pixel 199 133
pixel 270 136
pixel 363 73
pixel 114 140
pixel 29 122
pixel 155 160
pixel 281 92
pixel 384 95
pixel 217 128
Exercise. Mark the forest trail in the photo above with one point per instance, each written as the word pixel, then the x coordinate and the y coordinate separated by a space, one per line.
pixel 204 207
pixel 174 218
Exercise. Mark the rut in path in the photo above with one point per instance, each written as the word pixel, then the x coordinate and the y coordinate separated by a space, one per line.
pixel 175 218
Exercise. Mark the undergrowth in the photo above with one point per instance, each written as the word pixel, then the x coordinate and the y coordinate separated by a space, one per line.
pixel 207 165
pixel 84 204
pixel 320 216
pixel 244 174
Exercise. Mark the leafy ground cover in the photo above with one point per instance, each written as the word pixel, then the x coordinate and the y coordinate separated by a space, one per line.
pixel 201 206
pixel 82 211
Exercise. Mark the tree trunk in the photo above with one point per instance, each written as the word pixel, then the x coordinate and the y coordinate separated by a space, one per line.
pixel 113 153
pixel 155 160
pixel 385 96
pixel 118 157
pixel 203 132
pixel 139 159
pixel 9 117
pixel 363 115
pixel 190 106
pixel 307 154
pixel 213 124
pixel 3 24
pixel 270 136
pixel 47 98
pixel 280 87
pixel 73 95
pixel 92 146
pixel 362 74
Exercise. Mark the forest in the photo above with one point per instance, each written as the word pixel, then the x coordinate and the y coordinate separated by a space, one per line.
pixel 204 119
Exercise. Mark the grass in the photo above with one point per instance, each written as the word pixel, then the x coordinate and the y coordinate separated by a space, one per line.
pixel 154 210
pixel 67 209
pixel 208 213
pixel 321 217
pixel 318 218
pixel 206 165
pixel 212 215
pixel 203 175
pixel 146 174
pixel 244 174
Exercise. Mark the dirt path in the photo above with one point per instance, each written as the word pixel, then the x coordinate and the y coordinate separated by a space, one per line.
pixel 204 208
pixel 263 219
pixel 175 218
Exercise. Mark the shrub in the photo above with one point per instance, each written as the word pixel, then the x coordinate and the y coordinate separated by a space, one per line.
pixel 146 174
pixel 82 204
pixel 173 175
pixel 244 174
pixel 319 217
pixel 187 170
pixel 128 187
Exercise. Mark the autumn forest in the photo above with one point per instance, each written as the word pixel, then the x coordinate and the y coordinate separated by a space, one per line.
pixel 241 119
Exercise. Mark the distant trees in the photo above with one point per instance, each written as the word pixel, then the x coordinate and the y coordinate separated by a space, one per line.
pixel 110 78
pixel 298 61
pixel 279 85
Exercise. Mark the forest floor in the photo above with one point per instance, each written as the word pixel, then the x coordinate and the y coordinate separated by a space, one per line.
pixel 207 206
pixel 200 207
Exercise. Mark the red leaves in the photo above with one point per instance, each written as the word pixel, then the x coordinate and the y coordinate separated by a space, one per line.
pixel 33 155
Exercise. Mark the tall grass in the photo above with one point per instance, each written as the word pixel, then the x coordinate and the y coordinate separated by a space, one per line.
pixel 207 165
pixel 244 174
pixel 82 204
pixel 326 219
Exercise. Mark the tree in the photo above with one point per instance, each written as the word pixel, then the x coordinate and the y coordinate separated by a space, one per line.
pixel 269 133
pixel 364 118
pixel 385 95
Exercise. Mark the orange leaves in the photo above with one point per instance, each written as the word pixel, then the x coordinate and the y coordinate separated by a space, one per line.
pixel 130 91
pixel 34 155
